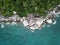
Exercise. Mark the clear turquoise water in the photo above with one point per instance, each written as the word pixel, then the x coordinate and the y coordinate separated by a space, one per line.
pixel 20 35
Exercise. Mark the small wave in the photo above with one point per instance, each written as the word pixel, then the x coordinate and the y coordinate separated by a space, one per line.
pixel 54 22
pixel 32 31
pixel 13 23
pixel 58 15
pixel 7 23
pixel 48 25
pixel 2 25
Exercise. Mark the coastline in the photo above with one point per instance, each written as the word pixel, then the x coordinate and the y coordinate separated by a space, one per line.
pixel 33 21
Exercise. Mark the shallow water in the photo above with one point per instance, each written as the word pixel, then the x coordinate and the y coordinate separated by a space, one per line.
pixel 20 35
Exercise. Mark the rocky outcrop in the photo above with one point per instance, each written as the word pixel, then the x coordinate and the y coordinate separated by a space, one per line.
pixel 33 21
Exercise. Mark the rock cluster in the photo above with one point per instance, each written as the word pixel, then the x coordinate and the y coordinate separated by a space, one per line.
pixel 33 21
pixel 14 18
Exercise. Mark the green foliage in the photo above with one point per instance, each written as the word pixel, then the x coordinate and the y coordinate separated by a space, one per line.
pixel 23 7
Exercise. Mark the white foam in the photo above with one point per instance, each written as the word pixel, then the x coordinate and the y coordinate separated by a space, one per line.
pixel 54 22
pixel 32 31
pixel 13 23
pixel 44 25
pixel 39 28
pixel 33 28
pixel 7 23
pixel 58 16
pixel 2 26
pixel 48 25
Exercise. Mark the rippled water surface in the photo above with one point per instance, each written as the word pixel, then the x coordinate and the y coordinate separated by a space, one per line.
pixel 20 35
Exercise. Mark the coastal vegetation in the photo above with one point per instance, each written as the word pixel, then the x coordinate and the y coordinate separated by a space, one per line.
pixel 24 7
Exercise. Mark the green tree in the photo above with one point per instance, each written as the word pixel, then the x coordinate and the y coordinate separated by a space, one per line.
pixel 23 7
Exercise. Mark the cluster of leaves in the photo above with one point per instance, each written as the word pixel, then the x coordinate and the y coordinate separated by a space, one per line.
pixel 23 7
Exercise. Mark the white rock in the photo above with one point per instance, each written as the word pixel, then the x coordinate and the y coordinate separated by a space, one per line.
pixel 25 23
pixel 49 21
pixel 44 19
pixel 2 19
pixel 6 19
pixel 54 11
pixel 18 18
pixel 32 22
pixel 34 27
pixel 57 14
pixel 59 5
pixel 39 22
pixel 14 18
pixel 22 19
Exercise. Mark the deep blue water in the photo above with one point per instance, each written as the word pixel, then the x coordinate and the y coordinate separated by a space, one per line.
pixel 20 35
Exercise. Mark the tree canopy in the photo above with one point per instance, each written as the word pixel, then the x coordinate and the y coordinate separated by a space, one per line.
pixel 23 7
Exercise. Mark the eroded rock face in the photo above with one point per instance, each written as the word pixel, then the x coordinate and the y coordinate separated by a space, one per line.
pixel 33 22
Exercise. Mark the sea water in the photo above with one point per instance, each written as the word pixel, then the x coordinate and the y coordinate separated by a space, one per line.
pixel 20 35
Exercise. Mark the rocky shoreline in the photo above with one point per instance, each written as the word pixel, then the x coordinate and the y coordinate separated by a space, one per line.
pixel 33 21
